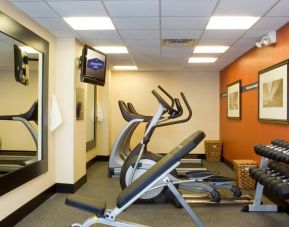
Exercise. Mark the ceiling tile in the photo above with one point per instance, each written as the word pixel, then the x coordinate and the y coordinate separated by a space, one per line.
pixel 184 22
pixel 244 42
pixel 176 52
pixel 244 7
pixel 137 23
pixel 187 8
pixel 53 23
pixel 78 8
pixel 64 34
pixel 119 58
pixel 104 42
pixel 256 34
pixel 214 41
pixel 281 9
pixel 273 23
pixel 142 42
pixel 181 34
pixel 43 10
pixel 111 34
pixel 149 8
pixel 222 34
pixel 140 34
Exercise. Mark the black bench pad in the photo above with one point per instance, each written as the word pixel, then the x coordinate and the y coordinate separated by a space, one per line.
pixel 159 168
pixel 199 174
pixel 220 179
pixel 86 204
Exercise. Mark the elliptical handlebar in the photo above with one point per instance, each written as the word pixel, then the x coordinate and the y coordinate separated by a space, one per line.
pixel 162 101
pixel 167 94
pixel 183 120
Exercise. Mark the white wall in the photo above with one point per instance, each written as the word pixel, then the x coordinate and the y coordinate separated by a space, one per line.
pixel 201 90
pixel 21 195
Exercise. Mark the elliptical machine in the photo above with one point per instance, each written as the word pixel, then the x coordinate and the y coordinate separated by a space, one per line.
pixel 121 148
pixel 140 160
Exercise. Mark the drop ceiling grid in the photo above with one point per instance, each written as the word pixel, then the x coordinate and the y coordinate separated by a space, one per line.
pixel 142 23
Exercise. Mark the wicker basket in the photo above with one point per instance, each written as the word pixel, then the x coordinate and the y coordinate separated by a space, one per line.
pixel 244 180
pixel 213 149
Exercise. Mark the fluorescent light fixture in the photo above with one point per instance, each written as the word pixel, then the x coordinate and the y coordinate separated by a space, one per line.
pixel 90 23
pixel 125 67
pixel 201 60
pixel 28 50
pixel 112 49
pixel 231 22
pixel 210 49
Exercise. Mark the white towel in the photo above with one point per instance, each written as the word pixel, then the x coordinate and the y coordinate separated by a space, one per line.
pixel 99 113
pixel 56 118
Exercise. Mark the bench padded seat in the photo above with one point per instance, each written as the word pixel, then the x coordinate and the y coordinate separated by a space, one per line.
pixel 86 204
pixel 159 168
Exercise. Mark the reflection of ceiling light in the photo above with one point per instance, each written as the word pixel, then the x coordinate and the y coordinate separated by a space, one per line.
pixel 201 60
pixel 112 49
pixel 29 50
pixel 267 40
pixel 231 22
pixel 125 67
pixel 90 23
pixel 210 49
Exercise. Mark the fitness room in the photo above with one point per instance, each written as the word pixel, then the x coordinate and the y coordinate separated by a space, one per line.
pixel 144 113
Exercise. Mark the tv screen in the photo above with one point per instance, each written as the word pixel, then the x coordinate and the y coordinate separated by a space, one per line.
pixel 21 66
pixel 93 66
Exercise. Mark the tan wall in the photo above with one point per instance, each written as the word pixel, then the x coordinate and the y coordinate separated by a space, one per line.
pixel 16 99
pixel 201 90
pixel 21 195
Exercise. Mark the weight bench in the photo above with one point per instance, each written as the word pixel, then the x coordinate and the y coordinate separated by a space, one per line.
pixel 159 172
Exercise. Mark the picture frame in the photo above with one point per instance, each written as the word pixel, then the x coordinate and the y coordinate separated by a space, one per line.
pixel 273 94
pixel 234 100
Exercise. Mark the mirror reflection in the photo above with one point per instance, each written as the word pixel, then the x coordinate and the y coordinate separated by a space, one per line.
pixel 90 117
pixel 20 99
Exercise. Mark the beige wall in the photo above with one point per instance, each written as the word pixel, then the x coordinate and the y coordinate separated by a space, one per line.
pixel 201 90
pixel 103 129
pixel 16 98
pixel 21 195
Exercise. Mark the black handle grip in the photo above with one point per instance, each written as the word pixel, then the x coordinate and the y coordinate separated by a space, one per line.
pixel 131 108
pixel 161 100
pixel 167 94
pixel 180 110
pixel 183 120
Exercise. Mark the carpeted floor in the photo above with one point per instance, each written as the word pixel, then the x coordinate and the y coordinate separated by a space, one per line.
pixel 54 213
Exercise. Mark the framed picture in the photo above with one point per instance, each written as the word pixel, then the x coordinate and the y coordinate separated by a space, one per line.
pixel 273 93
pixel 234 100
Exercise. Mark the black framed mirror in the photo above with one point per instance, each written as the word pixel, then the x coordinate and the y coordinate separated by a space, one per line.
pixel 90 117
pixel 23 104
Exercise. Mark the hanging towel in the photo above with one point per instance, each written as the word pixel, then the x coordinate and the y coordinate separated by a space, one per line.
pixel 56 118
pixel 99 113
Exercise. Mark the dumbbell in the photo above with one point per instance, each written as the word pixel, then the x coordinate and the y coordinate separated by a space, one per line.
pixel 260 174
pixel 282 176
pixel 281 189
pixel 268 151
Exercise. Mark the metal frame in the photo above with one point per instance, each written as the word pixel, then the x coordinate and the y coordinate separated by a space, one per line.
pixel 257 206
pixel 109 218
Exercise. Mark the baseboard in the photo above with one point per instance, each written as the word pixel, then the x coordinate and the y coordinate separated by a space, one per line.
pixel 27 208
pixel 95 159
pixel 70 188
pixel 228 163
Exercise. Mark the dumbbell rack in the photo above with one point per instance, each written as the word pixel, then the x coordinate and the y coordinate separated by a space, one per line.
pixel 276 153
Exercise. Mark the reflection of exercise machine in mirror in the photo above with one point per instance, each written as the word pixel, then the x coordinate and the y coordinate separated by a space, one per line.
pixel 20 65
pixel 13 160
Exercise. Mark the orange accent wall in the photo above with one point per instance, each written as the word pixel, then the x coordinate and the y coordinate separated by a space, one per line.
pixel 240 136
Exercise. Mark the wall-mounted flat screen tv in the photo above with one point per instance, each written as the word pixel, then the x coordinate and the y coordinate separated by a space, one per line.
pixel 21 66
pixel 93 66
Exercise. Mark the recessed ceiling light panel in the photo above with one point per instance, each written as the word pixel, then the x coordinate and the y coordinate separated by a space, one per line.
pixel 90 23
pixel 231 22
pixel 125 67
pixel 202 60
pixel 210 49
pixel 29 50
pixel 112 49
